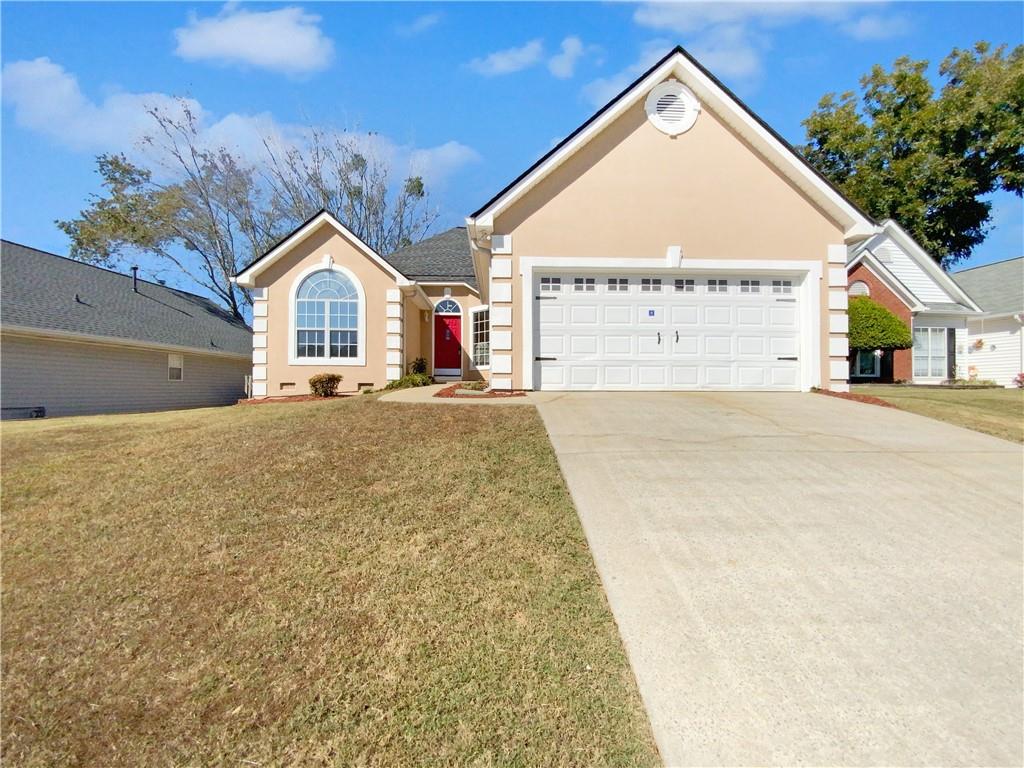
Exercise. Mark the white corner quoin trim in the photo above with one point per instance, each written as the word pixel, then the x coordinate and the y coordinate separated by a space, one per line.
pixel 809 293
pixel 360 358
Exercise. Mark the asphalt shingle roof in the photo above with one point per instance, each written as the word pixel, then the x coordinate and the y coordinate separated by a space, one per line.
pixel 995 287
pixel 443 257
pixel 44 291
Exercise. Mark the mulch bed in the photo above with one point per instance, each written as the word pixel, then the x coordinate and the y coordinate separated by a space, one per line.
pixel 288 399
pixel 453 391
pixel 858 398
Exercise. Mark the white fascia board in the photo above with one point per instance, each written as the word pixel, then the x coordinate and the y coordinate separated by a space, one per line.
pixel 856 226
pixel 913 249
pixel 449 282
pixel 877 268
pixel 247 278
pixel 112 341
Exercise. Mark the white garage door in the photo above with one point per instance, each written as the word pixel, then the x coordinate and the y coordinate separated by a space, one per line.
pixel 602 331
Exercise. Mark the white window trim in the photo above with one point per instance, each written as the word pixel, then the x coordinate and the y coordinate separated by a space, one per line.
pixel 180 367
pixel 360 358
pixel 472 337
pixel 876 372
pixel 945 354
pixel 808 289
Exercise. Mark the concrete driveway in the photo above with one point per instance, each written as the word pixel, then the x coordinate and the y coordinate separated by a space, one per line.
pixel 800 579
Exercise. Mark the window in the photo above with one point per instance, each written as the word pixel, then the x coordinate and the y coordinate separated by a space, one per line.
pixel 718 286
pixel 650 285
pixel 782 286
pixel 929 353
pixel 618 284
pixel 327 317
pixel 859 288
pixel 866 363
pixel 583 284
pixel 750 286
pixel 481 329
pixel 175 367
pixel 447 307
pixel 684 286
pixel 551 283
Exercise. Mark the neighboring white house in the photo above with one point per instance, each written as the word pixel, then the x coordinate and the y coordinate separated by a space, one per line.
pixel 995 343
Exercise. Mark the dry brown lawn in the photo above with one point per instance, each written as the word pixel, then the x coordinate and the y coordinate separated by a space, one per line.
pixel 341 583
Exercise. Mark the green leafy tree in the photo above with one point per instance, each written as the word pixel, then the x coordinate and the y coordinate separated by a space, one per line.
pixel 900 150
pixel 872 326
pixel 205 212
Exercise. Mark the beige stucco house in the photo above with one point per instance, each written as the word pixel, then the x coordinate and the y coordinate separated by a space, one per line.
pixel 673 241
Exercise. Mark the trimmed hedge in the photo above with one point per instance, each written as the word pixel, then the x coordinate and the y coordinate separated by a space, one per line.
pixel 872 326
pixel 324 384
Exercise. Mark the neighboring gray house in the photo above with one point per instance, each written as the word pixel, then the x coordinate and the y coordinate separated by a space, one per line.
pixel 995 343
pixel 78 339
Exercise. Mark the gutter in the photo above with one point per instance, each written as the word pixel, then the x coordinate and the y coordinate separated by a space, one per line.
pixel 114 341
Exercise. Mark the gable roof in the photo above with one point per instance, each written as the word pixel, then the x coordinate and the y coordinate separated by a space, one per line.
pixel 891 231
pixel 247 275
pixel 726 105
pixel 997 288
pixel 444 257
pixel 44 292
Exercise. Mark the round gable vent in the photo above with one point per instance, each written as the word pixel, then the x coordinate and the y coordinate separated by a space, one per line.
pixel 672 107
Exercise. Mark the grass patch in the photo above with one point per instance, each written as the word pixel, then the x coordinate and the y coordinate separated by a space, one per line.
pixel 998 412
pixel 346 582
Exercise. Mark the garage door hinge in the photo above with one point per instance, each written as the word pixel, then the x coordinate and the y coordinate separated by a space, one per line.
pixel 547 359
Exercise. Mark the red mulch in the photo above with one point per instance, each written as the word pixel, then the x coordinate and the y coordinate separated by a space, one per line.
pixel 452 391
pixel 287 399
pixel 858 398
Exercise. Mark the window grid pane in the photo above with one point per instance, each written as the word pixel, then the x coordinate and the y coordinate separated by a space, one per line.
pixel 650 284
pixel 482 337
pixel 685 286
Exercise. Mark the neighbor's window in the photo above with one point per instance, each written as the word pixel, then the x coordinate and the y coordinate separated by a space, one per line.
pixel 929 352
pixel 867 363
pixel 327 316
pixel 859 288
pixel 482 338
pixel 175 367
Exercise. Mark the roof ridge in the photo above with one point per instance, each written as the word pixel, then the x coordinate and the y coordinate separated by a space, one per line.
pixel 990 264
pixel 111 271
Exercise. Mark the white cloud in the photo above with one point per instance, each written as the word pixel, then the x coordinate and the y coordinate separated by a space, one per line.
pixel 600 91
pixel 563 65
pixel 509 60
pixel 286 40
pixel 877 27
pixel 47 100
pixel 687 18
pixel 418 25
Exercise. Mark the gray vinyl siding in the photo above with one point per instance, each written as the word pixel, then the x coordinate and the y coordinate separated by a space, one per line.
pixel 72 378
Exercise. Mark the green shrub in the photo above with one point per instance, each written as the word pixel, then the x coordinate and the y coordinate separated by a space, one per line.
pixel 324 384
pixel 872 326
pixel 410 380
pixel 419 365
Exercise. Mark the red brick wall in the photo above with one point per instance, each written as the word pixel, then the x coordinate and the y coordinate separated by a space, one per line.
pixel 902 367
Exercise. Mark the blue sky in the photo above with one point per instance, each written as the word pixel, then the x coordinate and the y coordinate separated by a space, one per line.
pixel 469 94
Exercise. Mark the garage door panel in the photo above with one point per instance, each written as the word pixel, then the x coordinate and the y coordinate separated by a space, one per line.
pixel 668 339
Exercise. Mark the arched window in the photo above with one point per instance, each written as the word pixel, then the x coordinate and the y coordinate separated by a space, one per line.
pixel 448 307
pixel 859 288
pixel 327 317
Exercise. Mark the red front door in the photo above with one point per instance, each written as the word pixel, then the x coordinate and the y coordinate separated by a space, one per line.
pixel 447 345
